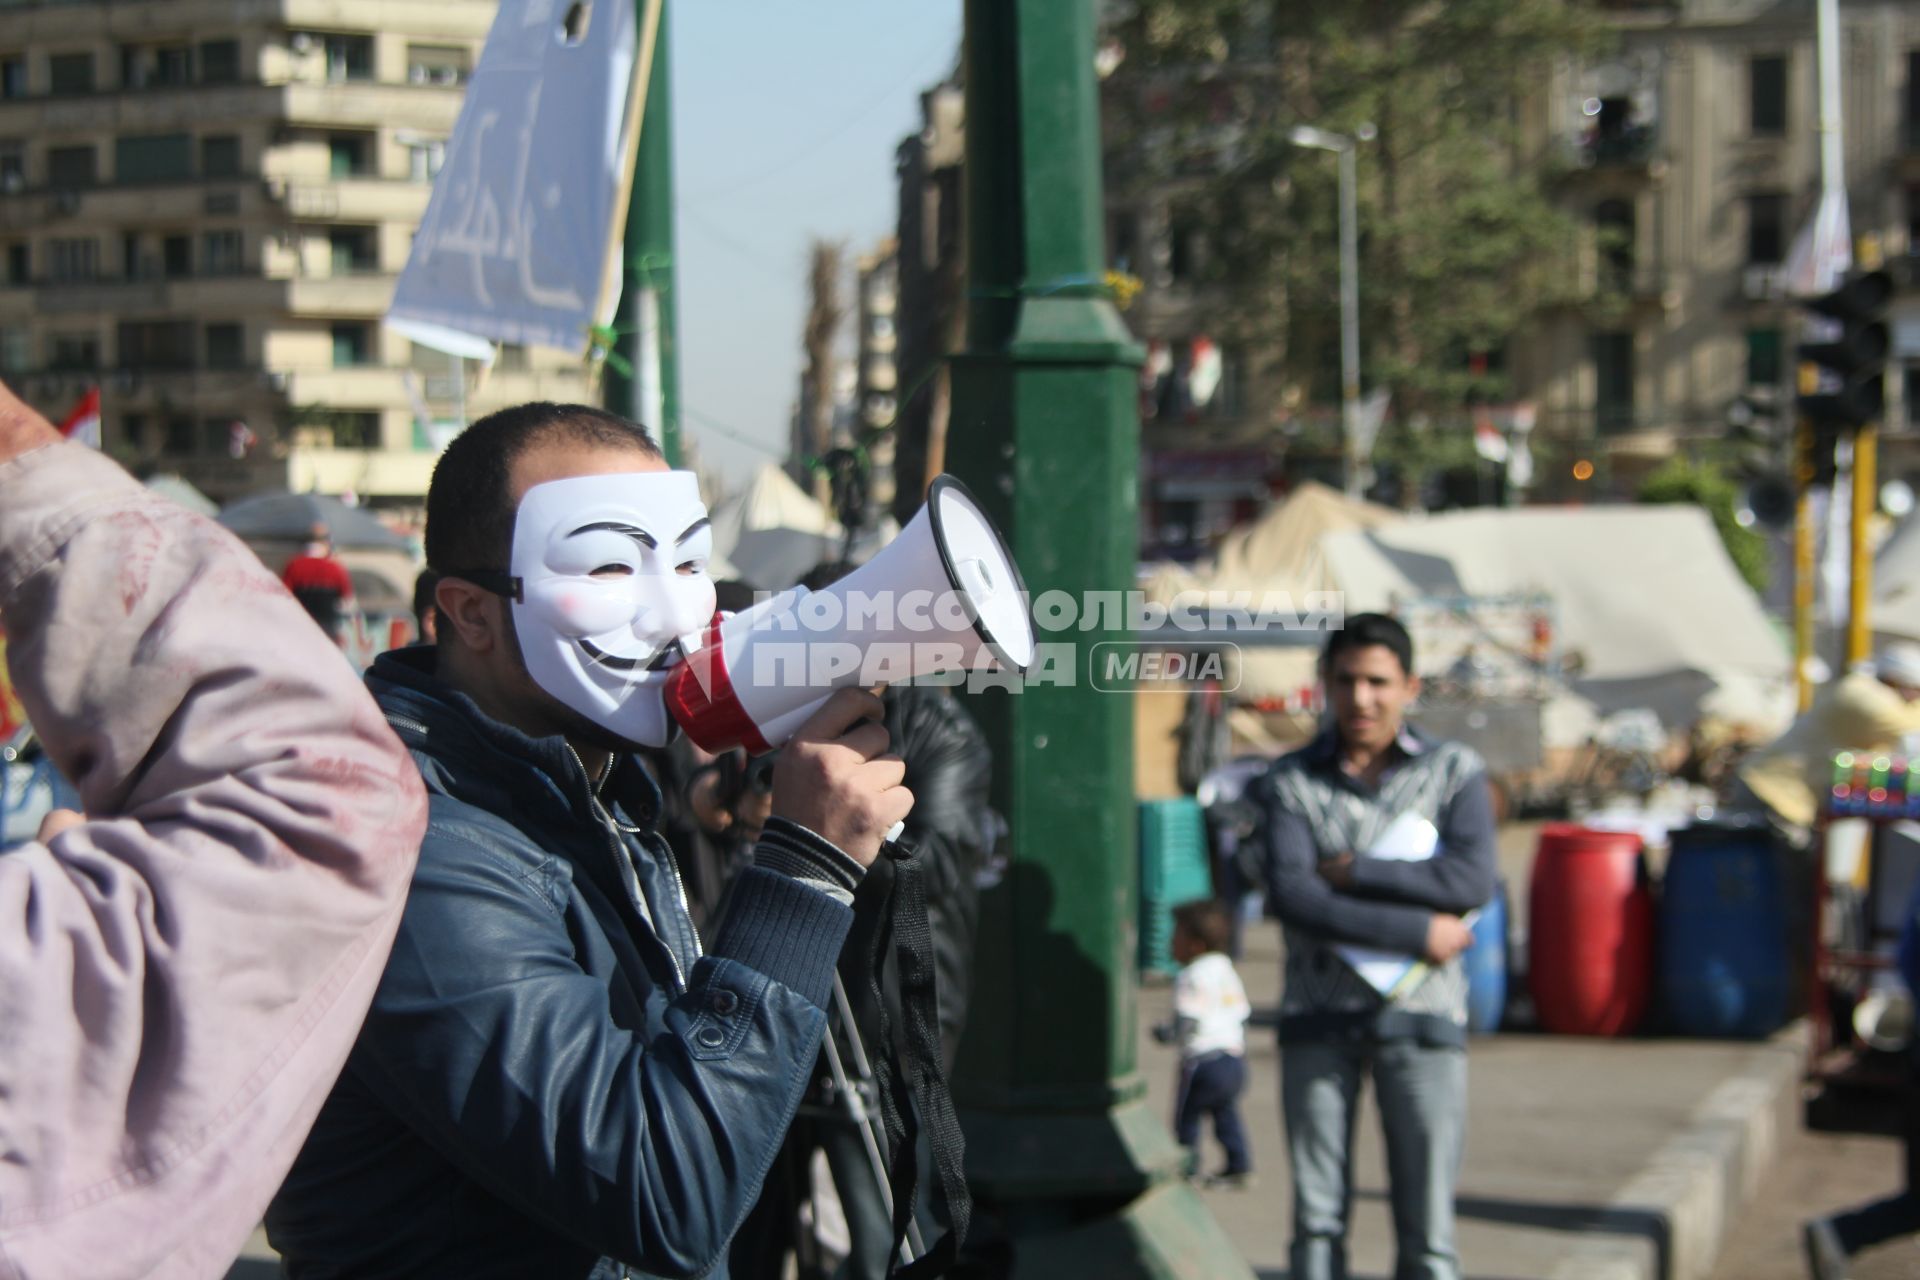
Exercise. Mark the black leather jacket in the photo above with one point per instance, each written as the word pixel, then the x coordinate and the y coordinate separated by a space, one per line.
pixel 554 1081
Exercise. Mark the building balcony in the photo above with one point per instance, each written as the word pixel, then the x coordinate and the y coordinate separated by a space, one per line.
pixel 370 105
pixel 156 109
pixel 182 200
pixel 347 297
pixel 370 473
pixel 135 20
pixel 358 200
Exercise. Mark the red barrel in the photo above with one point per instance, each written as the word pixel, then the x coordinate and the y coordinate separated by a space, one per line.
pixel 1589 932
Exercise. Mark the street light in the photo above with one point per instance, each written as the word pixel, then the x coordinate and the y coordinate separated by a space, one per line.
pixel 1305 135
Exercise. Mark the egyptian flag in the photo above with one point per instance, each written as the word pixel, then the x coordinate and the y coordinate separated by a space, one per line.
pixel 83 424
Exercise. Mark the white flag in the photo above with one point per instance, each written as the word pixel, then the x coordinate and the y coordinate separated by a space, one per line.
pixel 518 240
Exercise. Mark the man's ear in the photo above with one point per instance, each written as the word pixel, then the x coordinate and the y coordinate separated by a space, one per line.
pixel 469 614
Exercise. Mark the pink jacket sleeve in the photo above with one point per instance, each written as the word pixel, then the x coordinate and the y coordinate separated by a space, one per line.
pixel 181 976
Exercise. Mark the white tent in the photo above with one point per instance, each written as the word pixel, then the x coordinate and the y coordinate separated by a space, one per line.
pixel 1280 552
pixel 1645 596
pixel 772 532
pixel 1896 583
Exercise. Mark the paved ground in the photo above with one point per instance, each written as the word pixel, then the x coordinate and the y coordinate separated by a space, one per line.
pixel 1559 1128
pixel 1817 1173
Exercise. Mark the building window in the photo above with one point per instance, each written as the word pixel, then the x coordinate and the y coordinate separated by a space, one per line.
pixel 1613 232
pixel 157 344
pixel 70 167
pixel 356 429
pixel 13 166
pixel 226 346
pixel 70 261
pixel 16 350
pixel 1766 230
pixel 349 58
pixel 216 436
pixel 347 154
pixel 352 346
pixel 1763 357
pixel 220 156
pixel 132 430
pixel 438 64
pixel 73 352
pixel 70 72
pixel 1612 381
pixel 13 76
pixel 176 255
pixel 425 157
pixel 18 271
pixel 354 251
pixel 223 253
pixel 149 68
pixel 512 359
pixel 163 157
pixel 1767 94
pixel 220 62
pixel 179 437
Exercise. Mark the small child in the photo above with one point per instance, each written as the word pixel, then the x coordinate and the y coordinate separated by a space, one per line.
pixel 1210 1015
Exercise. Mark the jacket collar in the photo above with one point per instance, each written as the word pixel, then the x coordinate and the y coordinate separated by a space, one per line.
pixel 439 721
pixel 1324 751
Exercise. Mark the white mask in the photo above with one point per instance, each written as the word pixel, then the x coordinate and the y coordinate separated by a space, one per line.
pixel 612 570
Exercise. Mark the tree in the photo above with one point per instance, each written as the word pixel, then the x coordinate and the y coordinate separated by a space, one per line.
pixel 1461 238
pixel 1708 487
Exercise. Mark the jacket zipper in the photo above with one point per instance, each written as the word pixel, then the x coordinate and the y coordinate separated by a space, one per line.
pixel 402 722
pixel 624 862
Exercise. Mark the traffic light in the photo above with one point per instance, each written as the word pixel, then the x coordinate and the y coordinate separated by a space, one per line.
pixel 1847 387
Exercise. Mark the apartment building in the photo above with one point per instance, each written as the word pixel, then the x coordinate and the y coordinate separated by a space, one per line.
pixel 877 384
pixel 1693 154
pixel 204 206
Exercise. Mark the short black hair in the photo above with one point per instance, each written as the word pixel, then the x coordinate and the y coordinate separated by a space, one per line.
pixel 1364 630
pixel 423 604
pixel 470 498
pixel 1206 922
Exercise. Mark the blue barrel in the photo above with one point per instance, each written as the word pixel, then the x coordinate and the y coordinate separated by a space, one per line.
pixel 1486 965
pixel 1725 952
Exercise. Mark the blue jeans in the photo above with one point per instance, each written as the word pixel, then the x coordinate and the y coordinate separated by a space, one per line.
pixel 1210 1085
pixel 1423 1111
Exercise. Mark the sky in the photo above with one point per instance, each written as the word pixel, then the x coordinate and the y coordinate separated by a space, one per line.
pixel 786 119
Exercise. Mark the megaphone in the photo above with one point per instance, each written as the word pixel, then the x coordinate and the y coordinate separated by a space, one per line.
pixel 944 596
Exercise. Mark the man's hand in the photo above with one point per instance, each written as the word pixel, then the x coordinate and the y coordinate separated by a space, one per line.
pixel 1447 937
pixel 1337 870
pixel 836 778
pixel 21 429
pixel 56 821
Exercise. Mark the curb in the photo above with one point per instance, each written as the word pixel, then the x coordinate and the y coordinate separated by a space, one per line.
pixel 1669 1221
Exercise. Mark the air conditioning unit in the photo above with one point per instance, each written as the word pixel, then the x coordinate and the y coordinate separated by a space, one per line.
pixel 302 42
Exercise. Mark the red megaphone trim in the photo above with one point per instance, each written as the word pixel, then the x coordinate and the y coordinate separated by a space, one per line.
pixel 701 699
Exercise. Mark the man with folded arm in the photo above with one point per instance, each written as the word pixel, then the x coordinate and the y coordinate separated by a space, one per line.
pixel 1327 804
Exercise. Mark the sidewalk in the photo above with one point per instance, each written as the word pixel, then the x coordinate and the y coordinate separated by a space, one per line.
pixel 1586 1159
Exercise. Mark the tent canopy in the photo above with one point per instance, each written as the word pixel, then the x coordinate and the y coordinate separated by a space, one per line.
pixel 772 532
pixel 287 517
pixel 1646 596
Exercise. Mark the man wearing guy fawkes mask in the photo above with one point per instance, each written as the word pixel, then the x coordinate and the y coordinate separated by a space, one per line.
pixel 556 1079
